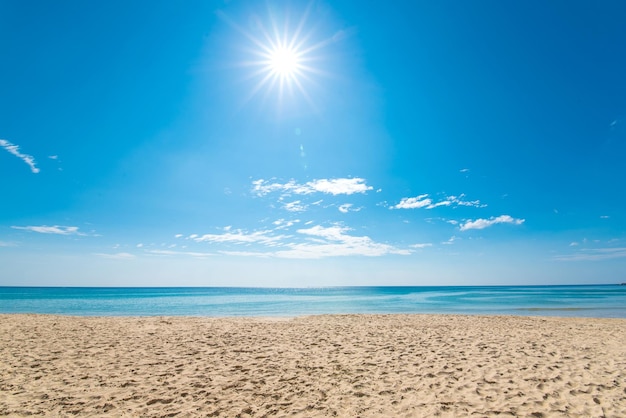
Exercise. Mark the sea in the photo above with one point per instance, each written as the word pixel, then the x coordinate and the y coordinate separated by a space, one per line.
pixel 602 301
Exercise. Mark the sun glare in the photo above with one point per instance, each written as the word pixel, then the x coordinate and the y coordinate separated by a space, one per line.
pixel 285 57
pixel 284 62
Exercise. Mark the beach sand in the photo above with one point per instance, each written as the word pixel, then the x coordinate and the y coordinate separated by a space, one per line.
pixel 318 366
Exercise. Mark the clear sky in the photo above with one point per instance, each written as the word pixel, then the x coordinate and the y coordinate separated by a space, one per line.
pixel 250 143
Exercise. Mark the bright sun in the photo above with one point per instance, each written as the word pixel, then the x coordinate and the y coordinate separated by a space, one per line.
pixel 284 62
pixel 285 58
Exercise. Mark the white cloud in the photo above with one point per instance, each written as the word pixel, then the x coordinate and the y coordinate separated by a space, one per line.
pixel 239 237
pixel 460 202
pixel 334 242
pixel 484 223
pixel 451 240
pixel 116 256
pixel 348 207
pixel 340 186
pixel 53 157
pixel 56 229
pixel 7 244
pixel 284 224
pixel 422 245
pixel 333 233
pixel 178 236
pixel 423 201
pixel 573 244
pixel 295 206
pixel 464 170
pixel 345 208
pixel 420 201
pixel 604 217
pixel 15 150
pixel 335 187
pixel 594 254
pixel 310 243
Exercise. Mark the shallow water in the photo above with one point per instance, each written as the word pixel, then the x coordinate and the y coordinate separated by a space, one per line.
pixel 580 301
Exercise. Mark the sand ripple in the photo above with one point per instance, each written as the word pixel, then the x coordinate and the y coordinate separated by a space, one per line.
pixel 319 366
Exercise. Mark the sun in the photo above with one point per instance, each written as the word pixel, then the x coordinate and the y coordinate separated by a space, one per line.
pixel 285 57
pixel 284 62
pixel 282 65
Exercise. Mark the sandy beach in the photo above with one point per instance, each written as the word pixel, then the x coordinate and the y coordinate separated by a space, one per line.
pixel 318 366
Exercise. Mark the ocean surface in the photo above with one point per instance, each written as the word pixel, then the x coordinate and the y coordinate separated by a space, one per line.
pixel 608 301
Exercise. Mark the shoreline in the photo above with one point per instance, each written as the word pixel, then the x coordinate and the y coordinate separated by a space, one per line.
pixel 314 365
pixel 564 301
pixel 524 313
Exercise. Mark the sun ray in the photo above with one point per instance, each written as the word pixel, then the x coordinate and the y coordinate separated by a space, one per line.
pixel 286 56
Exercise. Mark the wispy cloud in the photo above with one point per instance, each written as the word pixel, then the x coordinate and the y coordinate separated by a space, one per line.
pixel 424 201
pixel 284 224
pixel 425 245
pixel 116 256
pixel 345 208
pixel 451 240
pixel 595 254
pixel 485 223
pixel 56 229
pixel 334 241
pixel 261 254
pixel 7 244
pixel 420 201
pixel 179 253
pixel 307 243
pixel 15 150
pixel 338 186
pixel 295 206
pixel 239 237
pixel 348 207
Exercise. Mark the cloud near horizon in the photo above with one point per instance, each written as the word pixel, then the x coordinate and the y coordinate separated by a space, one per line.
pixel 116 256
pixel 55 229
pixel 15 150
pixel 333 241
pixel 485 223
pixel 175 253
pixel 239 237
pixel 309 243
pixel 595 254
pixel 335 186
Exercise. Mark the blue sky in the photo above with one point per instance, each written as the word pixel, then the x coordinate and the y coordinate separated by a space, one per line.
pixel 312 143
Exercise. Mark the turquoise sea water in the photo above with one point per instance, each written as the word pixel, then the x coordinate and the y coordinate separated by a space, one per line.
pixel 583 301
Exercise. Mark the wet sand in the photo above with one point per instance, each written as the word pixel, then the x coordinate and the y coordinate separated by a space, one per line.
pixel 318 366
